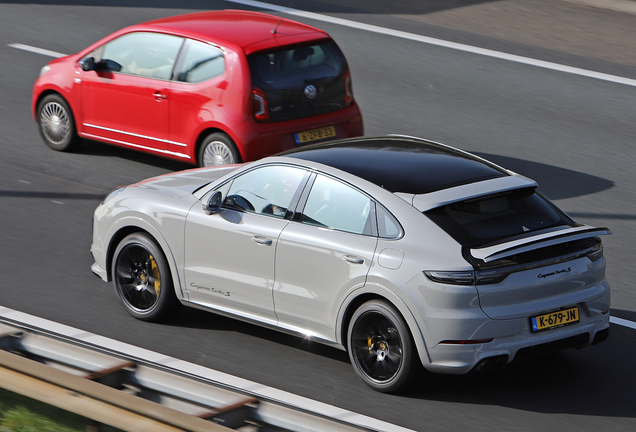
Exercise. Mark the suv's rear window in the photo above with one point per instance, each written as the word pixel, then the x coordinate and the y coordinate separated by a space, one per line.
pixel 284 75
pixel 485 220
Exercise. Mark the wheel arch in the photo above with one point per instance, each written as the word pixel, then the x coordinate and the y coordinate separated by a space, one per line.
pixel 50 91
pixel 355 300
pixel 216 129
pixel 350 309
pixel 155 236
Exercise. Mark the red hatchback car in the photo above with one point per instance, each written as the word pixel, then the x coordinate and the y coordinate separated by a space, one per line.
pixel 208 88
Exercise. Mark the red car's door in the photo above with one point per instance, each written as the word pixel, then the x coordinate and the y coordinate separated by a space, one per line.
pixel 125 109
pixel 129 103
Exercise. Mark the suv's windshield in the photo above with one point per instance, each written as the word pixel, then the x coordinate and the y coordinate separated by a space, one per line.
pixel 285 75
pixel 488 219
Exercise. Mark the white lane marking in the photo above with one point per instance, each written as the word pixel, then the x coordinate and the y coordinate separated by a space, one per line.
pixel 200 371
pixel 36 50
pixel 438 42
pixel 623 322
pixel 404 35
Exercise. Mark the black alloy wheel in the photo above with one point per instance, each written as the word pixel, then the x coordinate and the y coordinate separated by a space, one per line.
pixel 380 347
pixel 142 279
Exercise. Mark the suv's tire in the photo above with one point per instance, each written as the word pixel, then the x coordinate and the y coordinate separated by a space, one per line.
pixel 142 280
pixel 380 347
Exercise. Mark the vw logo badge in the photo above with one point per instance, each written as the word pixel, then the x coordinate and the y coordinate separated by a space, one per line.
pixel 310 91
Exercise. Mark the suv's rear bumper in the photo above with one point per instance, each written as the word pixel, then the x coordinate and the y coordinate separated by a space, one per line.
pixel 460 359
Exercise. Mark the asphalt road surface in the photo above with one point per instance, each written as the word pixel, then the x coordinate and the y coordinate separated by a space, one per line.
pixel 574 134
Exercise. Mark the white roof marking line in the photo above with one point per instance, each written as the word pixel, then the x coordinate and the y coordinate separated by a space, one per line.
pixel 439 42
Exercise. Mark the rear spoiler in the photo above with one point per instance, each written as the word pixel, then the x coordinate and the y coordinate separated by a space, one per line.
pixel 526 244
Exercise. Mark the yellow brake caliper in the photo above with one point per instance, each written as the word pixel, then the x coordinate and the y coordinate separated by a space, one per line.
pixel 156 274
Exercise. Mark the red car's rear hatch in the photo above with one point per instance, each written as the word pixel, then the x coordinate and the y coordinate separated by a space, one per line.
pixel 299 81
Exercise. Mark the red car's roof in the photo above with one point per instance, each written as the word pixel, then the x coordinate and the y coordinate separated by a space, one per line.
pixel 251 31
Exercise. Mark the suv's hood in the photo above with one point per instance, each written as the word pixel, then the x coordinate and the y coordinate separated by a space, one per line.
pixel 184 183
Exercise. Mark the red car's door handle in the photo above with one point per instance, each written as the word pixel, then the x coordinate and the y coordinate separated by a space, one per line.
pixel 159 96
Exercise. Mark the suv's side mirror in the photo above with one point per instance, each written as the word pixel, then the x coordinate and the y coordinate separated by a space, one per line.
pixel 214 203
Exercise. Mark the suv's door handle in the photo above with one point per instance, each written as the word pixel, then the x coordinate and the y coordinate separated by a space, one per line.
pixel 262 240
pixel 353 259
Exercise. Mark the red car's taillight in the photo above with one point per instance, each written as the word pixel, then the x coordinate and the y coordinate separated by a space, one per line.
pixel 348 88
pixel 261 111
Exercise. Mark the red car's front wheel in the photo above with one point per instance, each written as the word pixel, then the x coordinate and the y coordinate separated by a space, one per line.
pixel 57 126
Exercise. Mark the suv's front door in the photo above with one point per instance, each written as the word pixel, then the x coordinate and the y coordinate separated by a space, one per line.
pixel 229 256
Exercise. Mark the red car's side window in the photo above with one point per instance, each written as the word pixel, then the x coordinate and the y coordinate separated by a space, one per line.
pixel 199 62
pixel 150 55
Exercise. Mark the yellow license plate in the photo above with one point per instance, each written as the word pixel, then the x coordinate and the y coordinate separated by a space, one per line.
pixel 315 135
pixel 555 319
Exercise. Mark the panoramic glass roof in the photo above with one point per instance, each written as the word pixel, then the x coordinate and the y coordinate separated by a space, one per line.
pixel 401 164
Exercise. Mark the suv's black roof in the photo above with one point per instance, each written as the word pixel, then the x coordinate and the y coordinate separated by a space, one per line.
pixel 401 164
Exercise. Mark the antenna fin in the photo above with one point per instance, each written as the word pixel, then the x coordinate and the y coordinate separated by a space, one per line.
pixel 275 29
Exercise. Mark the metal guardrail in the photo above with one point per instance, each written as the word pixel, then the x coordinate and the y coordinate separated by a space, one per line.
pixel 134 395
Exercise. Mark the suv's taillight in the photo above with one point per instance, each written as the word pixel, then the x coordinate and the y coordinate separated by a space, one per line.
pixel 595 253
pixel 261 111
pixel 469 277
pixel 348 88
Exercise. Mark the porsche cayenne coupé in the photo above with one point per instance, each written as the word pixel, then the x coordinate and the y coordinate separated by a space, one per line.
pixel 402 251
pixel 207 88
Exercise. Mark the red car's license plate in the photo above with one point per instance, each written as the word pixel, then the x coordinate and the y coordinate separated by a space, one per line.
pixel 315 135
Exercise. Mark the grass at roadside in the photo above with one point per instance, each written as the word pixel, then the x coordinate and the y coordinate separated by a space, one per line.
pixel 22 414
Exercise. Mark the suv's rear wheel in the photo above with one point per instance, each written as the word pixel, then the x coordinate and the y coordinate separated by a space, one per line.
pixel 380 347
pixel 217 149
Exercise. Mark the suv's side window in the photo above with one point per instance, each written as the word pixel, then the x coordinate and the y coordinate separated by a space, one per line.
pixel 388 227
pixel 200 62
pixel 336 205
pixel 266 190
pixel 150 55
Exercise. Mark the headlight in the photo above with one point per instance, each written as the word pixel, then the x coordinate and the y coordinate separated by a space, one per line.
pixel 113 194
pixel 45 69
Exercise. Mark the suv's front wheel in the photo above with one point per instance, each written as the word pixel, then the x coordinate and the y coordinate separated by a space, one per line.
pixel 142 279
